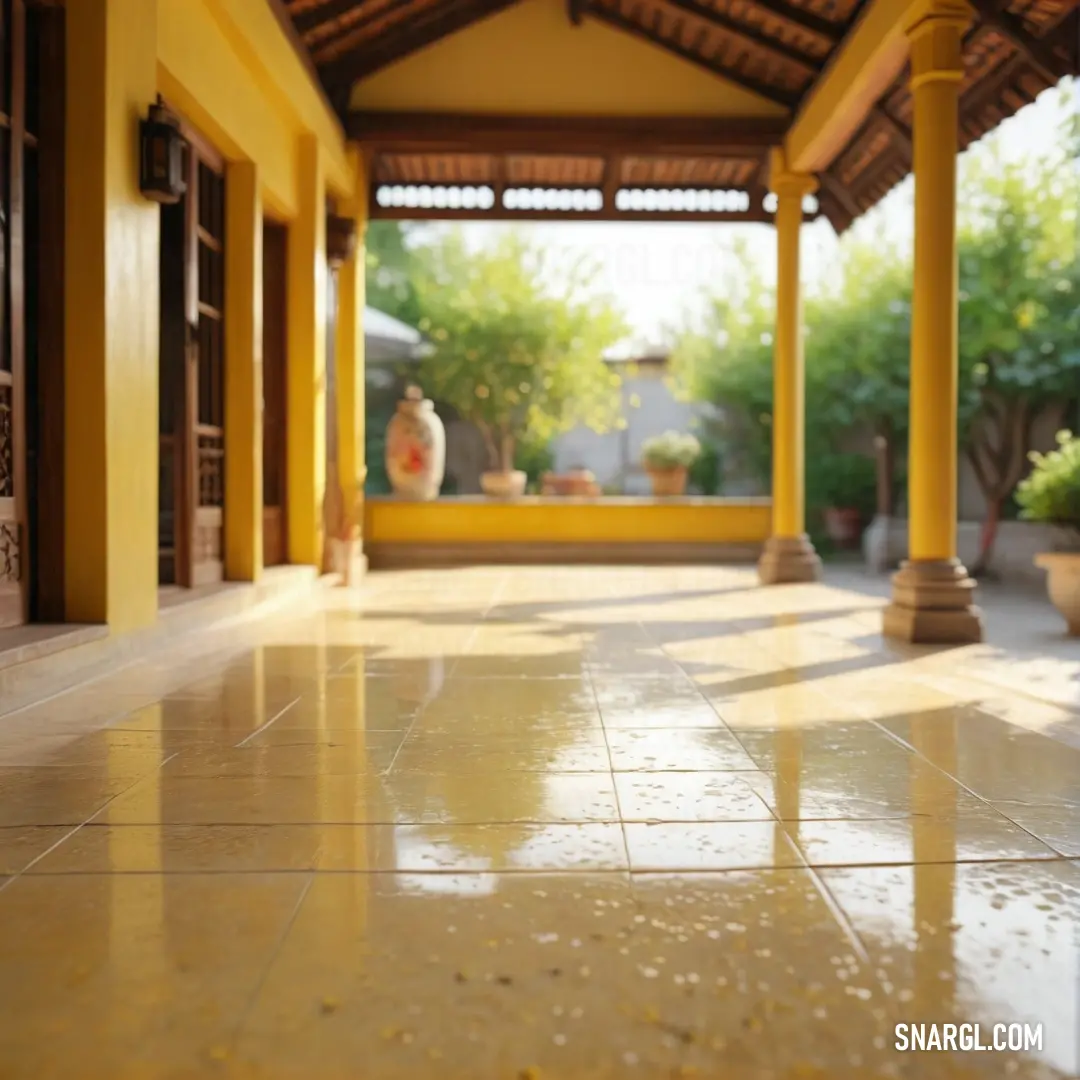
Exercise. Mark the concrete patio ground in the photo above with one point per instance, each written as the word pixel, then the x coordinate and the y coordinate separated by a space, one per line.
pixel 550 822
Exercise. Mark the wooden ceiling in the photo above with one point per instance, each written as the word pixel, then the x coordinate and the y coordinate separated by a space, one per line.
pixel 774 48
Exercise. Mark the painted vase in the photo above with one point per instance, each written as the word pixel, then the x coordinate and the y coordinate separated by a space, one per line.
pixel 416 448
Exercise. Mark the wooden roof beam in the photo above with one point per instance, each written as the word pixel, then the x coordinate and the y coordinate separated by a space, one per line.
pixel 576 10
pixel 840 194
pixel 411 132
pixel 1037 52
pixel 802 19
pixel 771 93
pixel 355 29
pixel 309 20
pixel 715 17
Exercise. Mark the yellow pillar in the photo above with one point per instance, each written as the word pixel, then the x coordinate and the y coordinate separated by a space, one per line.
pixel 111 319
pixel 932 593
pixel 352 470
pixel 243 373
pixel 307 311
pixel 789 556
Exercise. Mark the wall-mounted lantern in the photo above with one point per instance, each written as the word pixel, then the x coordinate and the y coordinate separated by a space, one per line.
pixel 161 160
pixel 340 240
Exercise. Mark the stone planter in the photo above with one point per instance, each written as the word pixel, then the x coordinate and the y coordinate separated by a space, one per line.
pixel 416 449
pixel 843 526
pixel 670 481
pixel 508 484
pixel 1063 585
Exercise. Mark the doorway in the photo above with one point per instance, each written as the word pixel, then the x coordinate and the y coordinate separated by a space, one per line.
pixel 191 416
pixel 275 394
pixel 32 89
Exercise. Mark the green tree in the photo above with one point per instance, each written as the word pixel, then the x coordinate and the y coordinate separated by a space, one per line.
pixel 1019 314
pixel 727 360
pixel 516 341
pixel 391 265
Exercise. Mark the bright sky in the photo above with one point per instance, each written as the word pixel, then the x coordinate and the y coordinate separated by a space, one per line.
pixel 659 272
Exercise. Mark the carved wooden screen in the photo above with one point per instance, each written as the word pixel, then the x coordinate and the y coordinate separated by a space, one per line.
pixel 15 140
pixel 209 375
pixel 192 409
pixel 275 269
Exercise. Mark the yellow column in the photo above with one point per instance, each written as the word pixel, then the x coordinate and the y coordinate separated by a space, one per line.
pixel 789 556
pixel 243 373
pixel 111 319
pixel 306 436
pixel 352 469
pixel 932 593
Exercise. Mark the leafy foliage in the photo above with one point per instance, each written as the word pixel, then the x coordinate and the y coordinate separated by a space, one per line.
pixel 1051 493
pixel 511 352
pixel 391 264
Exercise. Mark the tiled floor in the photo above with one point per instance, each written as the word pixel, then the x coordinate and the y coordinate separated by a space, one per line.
pixel 547 823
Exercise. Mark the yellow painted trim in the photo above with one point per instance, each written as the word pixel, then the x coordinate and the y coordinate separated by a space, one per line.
pixel 306 380
pixel 568 521
pixel 867 62
pixel 243 373
pixel 111 320
pixel 530 59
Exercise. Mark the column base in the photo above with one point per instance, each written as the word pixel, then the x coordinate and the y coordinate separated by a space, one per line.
pixel 932 604
pixel 788 560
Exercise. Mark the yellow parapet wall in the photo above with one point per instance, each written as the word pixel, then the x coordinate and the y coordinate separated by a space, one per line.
pixel 453 529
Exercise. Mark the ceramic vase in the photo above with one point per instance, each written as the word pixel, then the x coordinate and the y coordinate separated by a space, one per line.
pixel 416 449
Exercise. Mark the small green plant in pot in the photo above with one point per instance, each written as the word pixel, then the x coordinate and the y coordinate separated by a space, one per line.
pixel 1051 495
pixel 844 488
pixel 667 459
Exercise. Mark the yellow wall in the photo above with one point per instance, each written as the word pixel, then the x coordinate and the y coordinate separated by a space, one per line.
pixel 568 521
pixel 214 66
pixel 229 67
pixel 531 59
pixel 111 320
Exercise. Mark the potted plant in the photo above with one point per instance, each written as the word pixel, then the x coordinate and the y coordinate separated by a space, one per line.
pixel 1051 494
pixel 845 487
pixel 667 459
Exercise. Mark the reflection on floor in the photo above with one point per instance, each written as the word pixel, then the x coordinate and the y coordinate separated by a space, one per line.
pixel 548 823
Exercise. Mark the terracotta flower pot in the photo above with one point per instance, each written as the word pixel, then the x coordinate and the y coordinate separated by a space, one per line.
pixel 671 481
pixel 504 484
pixel 1063 585
pixel 416 449
pixel 575 482
pixel 843 525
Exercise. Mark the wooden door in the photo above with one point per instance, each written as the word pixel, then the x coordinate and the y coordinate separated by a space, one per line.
pixel 192 414
pixel 14 142
pixel 275 395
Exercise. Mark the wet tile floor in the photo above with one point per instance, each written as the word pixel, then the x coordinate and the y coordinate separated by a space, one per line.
pixel 540 823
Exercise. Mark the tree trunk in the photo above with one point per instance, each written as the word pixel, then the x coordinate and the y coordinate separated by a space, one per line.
pixel 489 442
pixel 883 448
pixel 988 535
pixel 506 458
pixel 998 465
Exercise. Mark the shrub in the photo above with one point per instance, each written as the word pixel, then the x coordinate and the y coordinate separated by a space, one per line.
pixel 1051 494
